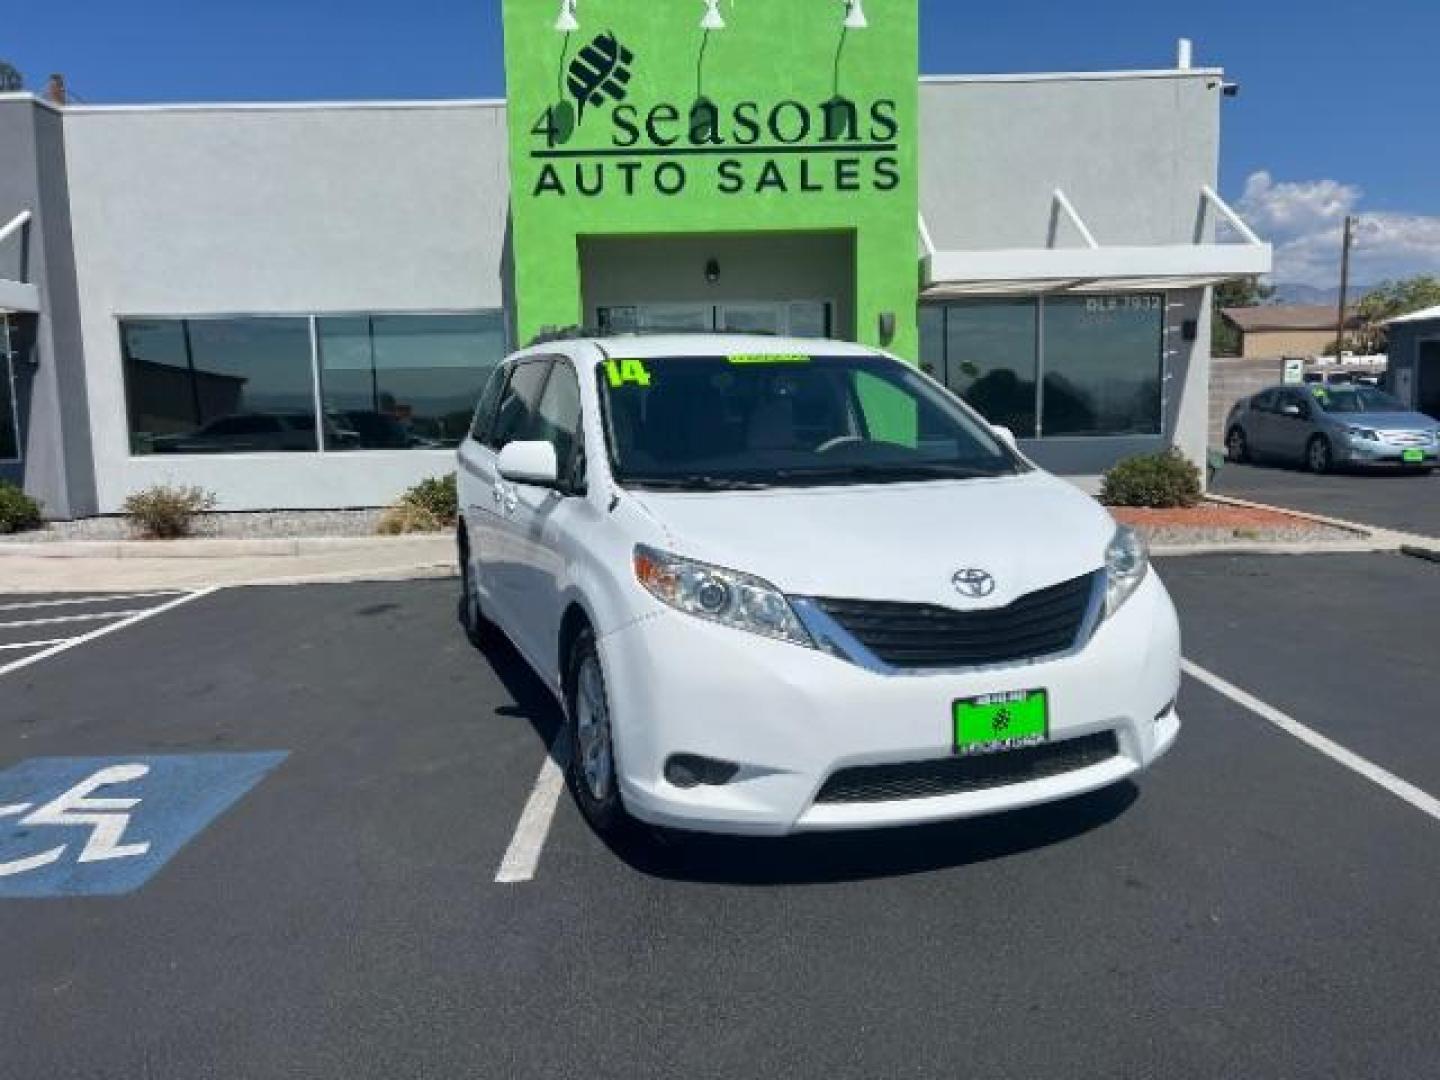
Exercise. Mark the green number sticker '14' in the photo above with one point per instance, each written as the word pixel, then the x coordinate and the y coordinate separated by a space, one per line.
pixel 620 372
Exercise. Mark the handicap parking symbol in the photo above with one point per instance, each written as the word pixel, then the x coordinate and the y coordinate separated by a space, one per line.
pixel 105 826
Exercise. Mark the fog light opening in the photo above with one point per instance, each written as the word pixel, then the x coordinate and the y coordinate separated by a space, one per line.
pixel 688 771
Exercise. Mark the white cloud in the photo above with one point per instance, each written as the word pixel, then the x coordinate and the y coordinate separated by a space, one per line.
pixel 1304 220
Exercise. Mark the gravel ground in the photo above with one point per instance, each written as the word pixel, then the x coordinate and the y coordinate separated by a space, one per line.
pixel 1303 533
pixel 277 524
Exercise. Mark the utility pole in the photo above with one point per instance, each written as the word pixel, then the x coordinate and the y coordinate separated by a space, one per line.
pixel 1344 286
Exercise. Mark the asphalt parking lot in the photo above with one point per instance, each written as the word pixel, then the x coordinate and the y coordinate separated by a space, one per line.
pixel 1403 501
pixel 336 778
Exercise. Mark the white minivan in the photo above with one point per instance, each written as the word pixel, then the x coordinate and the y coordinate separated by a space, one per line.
pixel 784 585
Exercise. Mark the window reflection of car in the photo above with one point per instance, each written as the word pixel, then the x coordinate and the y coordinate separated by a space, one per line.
pixel 378 431
pixel 254 433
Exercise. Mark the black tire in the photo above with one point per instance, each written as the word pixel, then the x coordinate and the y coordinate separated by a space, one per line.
pixel 1319 458
pixel 479 631
pixel 1237 446
pixel 596 788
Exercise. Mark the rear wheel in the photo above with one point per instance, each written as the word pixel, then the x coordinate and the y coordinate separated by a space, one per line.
pixel 1318 455
pixel 1237 448
pixel 593 774
pixel 478 629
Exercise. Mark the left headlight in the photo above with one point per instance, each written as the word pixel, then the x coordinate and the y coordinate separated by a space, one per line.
pixel 1366 434
pixel 1126 562
pixel 729 597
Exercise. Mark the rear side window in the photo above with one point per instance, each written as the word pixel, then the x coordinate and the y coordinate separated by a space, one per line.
pixel 518 417
pixel 1264 402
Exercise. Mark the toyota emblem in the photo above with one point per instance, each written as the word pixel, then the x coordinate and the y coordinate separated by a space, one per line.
pixel 976 584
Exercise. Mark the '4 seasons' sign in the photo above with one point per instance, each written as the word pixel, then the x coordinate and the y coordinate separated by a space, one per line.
pixel 726 148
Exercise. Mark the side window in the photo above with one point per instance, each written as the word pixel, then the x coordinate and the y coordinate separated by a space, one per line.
pixel 519 404
pixel 485 411
pixel 560 424
pixel 1264 402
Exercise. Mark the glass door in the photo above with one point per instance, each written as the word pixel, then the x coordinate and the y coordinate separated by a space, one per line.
pixel 776 318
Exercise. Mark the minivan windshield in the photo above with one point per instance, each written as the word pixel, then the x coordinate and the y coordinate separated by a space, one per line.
pixel 737 422
pixel 1356 399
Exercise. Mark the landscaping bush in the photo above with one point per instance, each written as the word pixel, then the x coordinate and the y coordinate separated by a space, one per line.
pixel 1159 481
pixel 18 511
pixel 167 511
pixel 430 506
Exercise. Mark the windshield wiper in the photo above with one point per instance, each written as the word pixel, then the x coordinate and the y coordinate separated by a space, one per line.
pixel 865 474
pixel 697 482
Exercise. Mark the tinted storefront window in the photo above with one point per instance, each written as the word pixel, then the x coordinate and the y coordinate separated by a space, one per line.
pixel 990 359
pixel 395 382
pixel 219 386
pixel 9 426
pixel 1103 361
pixel 1102 358
pixel 247 385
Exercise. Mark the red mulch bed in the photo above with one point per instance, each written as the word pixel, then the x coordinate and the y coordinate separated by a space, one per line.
pixel 1204 516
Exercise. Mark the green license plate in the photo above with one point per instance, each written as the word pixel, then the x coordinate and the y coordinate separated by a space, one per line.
pixel 996 722
pixel 1413 457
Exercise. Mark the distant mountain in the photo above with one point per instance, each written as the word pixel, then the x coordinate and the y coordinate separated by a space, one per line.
pixel 1296 293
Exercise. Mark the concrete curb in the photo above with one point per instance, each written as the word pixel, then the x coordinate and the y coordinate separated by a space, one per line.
pixel 1318 519
pixel 427 546
pixel 431 572
pixel 1275 547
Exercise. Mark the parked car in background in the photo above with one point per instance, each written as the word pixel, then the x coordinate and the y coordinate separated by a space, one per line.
pixel 786 585
pixel 1325 426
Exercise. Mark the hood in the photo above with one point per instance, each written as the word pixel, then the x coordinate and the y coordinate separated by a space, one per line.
pixel 1385 421
pixel 902 542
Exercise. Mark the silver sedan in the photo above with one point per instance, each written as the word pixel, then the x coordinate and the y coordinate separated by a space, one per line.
pixel 1323 427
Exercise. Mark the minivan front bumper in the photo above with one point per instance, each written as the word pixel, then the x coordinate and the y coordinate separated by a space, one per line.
pixel 791 717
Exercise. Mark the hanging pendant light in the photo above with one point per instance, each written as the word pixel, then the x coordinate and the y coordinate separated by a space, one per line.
pixel 567 23
pixel 713 20
pixel 855 15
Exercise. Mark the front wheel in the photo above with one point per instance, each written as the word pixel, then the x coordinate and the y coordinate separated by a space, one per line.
pixel 592 773
pixel 1237 448
pixel 1318 455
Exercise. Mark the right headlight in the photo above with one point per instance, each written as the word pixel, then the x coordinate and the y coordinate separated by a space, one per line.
pixel 735 599
pixel 1126 562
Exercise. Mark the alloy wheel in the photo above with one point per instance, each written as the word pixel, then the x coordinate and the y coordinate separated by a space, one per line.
pixel 592 719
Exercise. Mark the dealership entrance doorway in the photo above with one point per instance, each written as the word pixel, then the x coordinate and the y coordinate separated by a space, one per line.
pixel 784 284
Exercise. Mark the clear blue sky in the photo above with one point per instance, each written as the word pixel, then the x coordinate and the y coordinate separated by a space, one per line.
pixel 1340 101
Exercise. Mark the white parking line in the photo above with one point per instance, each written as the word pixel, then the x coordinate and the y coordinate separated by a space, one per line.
pixel 103 599
pixel 31 644
pixel 70 643
pixel 56 620
pixel 1401 789
pixel 522 857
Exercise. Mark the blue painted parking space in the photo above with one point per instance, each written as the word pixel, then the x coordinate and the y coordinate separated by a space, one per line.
pixel 73 826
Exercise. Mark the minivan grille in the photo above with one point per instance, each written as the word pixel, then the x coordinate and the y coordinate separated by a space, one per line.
pixel 958 775
pixel 928 636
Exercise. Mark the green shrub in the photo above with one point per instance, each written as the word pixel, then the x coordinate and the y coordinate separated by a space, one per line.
pixel 18 511
pixel 430 506
pixel 167 511
pixel 1159 481
pixel 439 496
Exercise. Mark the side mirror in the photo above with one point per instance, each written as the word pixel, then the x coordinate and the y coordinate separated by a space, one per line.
pixel 1006 436
pixel 529 463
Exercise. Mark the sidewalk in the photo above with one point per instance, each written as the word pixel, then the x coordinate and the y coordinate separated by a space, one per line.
pixel 193 564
